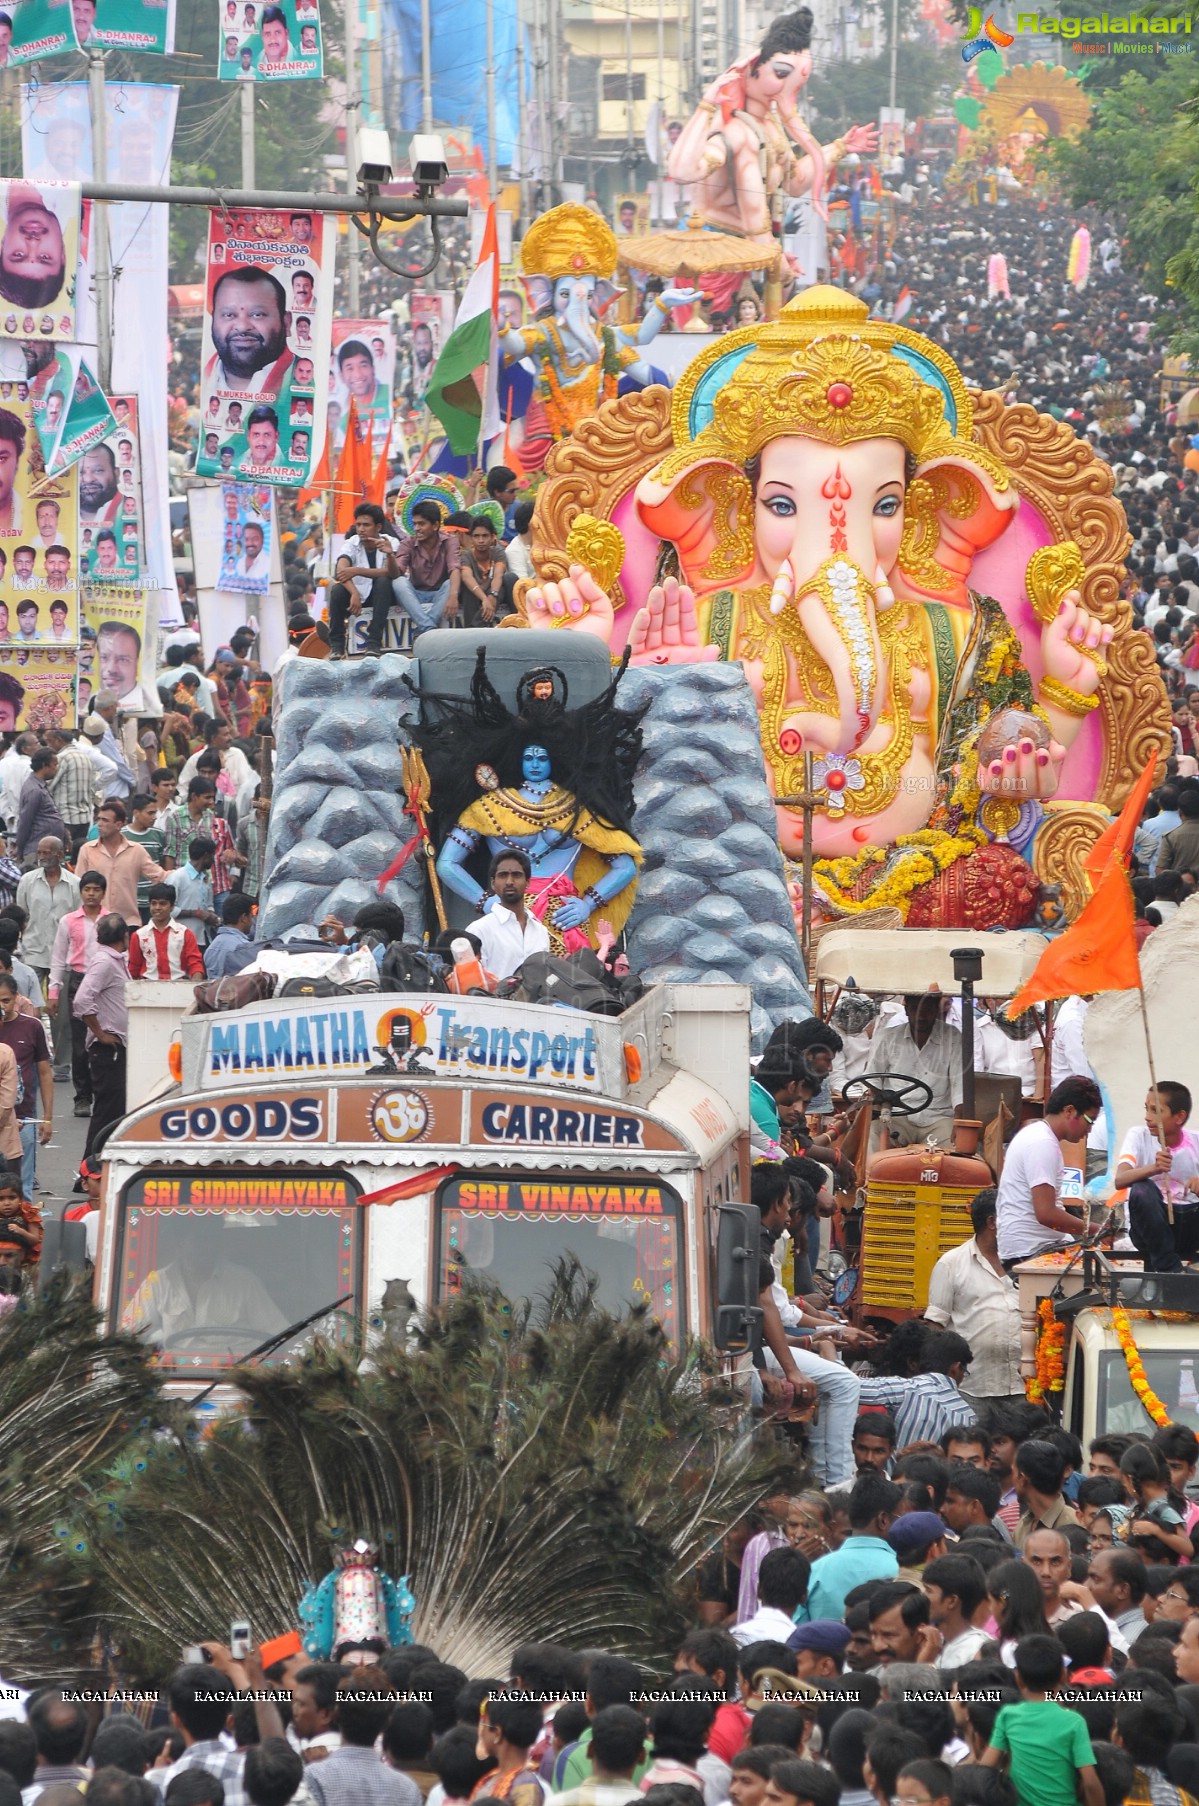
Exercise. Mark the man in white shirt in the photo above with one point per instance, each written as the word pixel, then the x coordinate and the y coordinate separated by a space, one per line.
pixel 1030 1219
pixel 1163 1183
pixel 507 931
pixel 15 767
pixel 256 562
pixel 922 1046
pixel 968 1291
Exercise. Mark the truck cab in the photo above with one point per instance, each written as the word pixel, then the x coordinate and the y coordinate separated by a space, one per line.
pixel 320 1162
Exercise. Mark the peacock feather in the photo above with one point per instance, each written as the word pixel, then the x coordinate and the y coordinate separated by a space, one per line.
pixel 542 1472
pixel 73 1403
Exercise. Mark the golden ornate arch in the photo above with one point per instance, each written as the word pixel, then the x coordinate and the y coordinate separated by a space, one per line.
pixel 1060 475
pixel 1073 489
pixel 1055 98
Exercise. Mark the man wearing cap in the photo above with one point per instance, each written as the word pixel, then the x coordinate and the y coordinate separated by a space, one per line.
pixel 916 1537
pixel 819 1649
pixel 104 706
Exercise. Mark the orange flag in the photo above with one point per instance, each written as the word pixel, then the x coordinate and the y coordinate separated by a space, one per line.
pixel 322 478
pixel 353 475
pixel 1098 952
pixel 377 487
pixel 1116 840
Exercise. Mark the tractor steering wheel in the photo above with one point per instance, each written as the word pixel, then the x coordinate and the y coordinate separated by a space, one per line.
pixel 893 1091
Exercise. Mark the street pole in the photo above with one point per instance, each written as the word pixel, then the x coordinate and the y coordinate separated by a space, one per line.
pixel 631 147
pixel 352 99
pixel 662 140
pixel 492 172
pixel 100 259
pixel 426 68
pixel 247 135
pixel 894 50
pixel 522 120
pixel 551 73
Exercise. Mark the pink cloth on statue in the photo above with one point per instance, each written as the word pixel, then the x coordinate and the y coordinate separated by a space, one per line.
pixel 544 891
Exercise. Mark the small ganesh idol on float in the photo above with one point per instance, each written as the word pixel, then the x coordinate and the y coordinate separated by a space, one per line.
pixel 896 562
pixel 568 257
pixel 356 1612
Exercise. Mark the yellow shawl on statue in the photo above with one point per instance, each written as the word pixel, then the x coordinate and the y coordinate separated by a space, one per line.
pixel 507 815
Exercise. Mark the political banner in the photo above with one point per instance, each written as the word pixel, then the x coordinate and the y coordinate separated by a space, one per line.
pixel 124 25
pixel 115 629
pixel 128 523
pixel 39 259
pixel 269 43
pixel 37 688
pixel 432 319
pixel 362 369
pixel 56 141
pixel 267 330
pixel 246 547
pixel 70 410
pixel 38 595
pixel 30 29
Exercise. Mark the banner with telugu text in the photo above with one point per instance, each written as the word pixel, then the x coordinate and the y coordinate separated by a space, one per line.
pixel 268 322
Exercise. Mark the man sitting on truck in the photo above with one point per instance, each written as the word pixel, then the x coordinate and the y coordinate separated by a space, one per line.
pixel 1030 1220
pixel 1162 1182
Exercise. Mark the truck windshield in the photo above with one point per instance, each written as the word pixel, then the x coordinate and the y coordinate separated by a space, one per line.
pixel 1117 1408
pixel 213 1264
pixel 512 1229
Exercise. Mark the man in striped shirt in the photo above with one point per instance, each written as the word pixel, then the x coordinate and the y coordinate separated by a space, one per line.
pixel 929 1403
pixel 197 819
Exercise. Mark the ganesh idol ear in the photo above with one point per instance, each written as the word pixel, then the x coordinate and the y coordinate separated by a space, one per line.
pixel 706 510
pixel 955 507
pixel 605 293
pixel 540 291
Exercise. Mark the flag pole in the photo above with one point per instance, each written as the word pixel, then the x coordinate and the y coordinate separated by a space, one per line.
pixel 1161 1133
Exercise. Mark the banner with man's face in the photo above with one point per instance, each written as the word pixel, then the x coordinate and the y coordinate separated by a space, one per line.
pixel 38 577
pixel 124 25
pixel 115 620
pixel 269 43
pixel 362 369
pixel 39 259
pixel 37 688
pixel 31 29
pixel 267 332
pixel 246 517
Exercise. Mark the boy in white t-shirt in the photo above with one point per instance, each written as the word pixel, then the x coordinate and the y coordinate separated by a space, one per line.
pixel 1159 1177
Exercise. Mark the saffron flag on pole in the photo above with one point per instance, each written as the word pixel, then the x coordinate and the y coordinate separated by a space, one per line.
pixel 1116 840
pixel 354 472
pixel 463 390
pixel 1098 952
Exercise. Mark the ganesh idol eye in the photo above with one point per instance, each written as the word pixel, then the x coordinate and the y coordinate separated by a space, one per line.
pixel 781 505
pixel 888 506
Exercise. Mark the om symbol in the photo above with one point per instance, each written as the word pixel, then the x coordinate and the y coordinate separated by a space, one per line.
pixel 399 1116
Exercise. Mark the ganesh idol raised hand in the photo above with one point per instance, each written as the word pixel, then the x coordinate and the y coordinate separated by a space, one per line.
pixel 746 148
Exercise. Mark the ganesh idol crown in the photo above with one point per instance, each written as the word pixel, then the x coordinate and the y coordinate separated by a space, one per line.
pixel 920 583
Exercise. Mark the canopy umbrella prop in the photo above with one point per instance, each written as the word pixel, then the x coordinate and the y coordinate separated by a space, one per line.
pixel 687 253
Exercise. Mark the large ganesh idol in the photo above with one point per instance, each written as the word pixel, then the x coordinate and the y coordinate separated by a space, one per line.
pixel 921 586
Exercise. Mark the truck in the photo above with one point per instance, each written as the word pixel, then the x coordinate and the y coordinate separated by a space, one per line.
pixel 316 1163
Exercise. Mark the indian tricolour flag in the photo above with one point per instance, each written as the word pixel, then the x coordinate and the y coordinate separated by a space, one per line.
pixel 904 303
pixel 462 390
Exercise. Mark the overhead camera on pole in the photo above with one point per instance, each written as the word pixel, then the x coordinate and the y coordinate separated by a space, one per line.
pixel 427 161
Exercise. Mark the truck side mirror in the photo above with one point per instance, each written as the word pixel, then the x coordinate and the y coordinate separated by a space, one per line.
pixel 738 1244
pixel 64 1247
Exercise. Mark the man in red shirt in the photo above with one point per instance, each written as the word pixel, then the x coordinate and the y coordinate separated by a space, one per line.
pixel 27 1039
pixel 164 949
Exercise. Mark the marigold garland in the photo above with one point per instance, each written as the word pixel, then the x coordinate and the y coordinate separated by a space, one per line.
pixel 1136 1368
pixel 914 859
pixel 1050 1375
